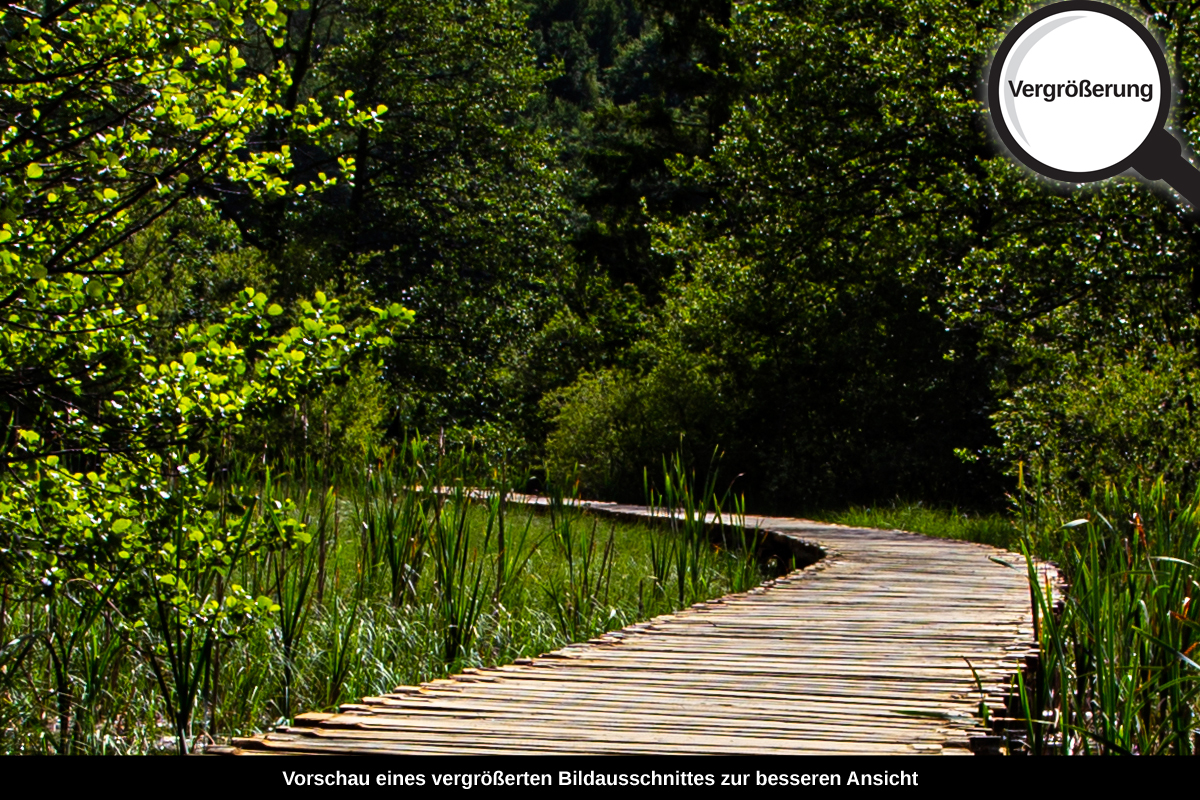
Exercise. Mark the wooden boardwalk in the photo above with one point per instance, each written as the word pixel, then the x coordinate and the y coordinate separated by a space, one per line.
pixel 866 652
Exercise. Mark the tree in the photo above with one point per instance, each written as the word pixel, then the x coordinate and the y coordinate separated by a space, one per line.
pixel 456 204
pixel 112 114
pixel 876 277
pixel 809 287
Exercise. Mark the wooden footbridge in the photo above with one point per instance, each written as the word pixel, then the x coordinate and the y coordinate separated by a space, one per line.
pixel 869 650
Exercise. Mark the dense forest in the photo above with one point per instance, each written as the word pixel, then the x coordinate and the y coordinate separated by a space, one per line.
pixel 557 237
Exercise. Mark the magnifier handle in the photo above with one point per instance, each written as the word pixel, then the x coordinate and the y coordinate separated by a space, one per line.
pixel 1160 159
pixel 1185 179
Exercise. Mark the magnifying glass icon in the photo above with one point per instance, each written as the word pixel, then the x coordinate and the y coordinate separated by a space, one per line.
pixel 1079 91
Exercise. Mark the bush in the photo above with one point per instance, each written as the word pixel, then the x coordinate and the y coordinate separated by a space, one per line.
pixel 613 422
pixel 1107 418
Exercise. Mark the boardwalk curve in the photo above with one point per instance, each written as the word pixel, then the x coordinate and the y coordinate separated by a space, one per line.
pixel 869 651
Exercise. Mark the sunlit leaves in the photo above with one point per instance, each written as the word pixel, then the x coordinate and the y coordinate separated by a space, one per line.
pixel 110 116
pixel 117 517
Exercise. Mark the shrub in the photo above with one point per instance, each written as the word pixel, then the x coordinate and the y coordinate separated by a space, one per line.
pixel 1104 418
pixel 614 422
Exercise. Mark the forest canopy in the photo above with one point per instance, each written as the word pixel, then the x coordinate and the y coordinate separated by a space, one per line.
pixel 623 228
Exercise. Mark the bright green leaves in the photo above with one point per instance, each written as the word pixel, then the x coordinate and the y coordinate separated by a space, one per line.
pixel 168 413
pixel 103 136
pixel 119 114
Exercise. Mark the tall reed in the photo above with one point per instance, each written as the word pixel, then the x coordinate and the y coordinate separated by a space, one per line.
pixel 580 597
pixel 460 577
pixel 393 506
pixel 694 520
pixel 1119 671
pixel 740 545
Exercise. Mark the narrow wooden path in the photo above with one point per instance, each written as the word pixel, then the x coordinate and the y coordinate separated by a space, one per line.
pixel 867 651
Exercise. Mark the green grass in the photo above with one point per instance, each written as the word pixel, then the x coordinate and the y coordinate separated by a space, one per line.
pixel 994 529
pixel 382 585
pixel 1119 671
pixel 390 585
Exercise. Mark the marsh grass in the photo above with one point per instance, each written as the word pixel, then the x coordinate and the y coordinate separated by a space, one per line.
pixel 1118 672
pixel 405 571
pixel 997 530
pixel 705 534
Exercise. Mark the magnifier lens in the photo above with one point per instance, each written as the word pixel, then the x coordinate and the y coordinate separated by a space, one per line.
pixel 1081 91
